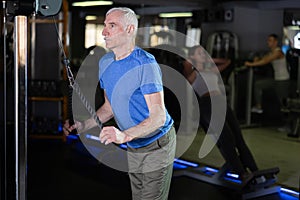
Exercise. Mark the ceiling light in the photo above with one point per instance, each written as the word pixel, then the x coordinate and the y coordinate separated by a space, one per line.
pixel 176 14
pixel 92 3
pixel 90 17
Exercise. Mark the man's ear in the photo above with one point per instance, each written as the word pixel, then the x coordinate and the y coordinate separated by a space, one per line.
pixel 130 29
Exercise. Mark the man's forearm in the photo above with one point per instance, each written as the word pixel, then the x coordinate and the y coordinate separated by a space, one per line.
pixel 104 114
pixel 156 119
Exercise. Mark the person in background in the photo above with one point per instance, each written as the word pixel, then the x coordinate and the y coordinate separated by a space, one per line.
pixel 280 82
pixel 134 97
pixel 201 72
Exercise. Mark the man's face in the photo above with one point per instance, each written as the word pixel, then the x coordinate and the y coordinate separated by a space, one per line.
pixel 272 42
pixel 114 32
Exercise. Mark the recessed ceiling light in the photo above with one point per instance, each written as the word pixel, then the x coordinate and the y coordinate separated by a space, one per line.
pixel 176 14
pixel 90 17
pixel 92 3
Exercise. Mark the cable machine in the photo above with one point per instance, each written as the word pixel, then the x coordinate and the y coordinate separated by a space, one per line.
pixel 14 128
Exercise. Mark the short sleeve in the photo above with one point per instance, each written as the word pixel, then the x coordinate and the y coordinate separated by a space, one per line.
pixel 151 78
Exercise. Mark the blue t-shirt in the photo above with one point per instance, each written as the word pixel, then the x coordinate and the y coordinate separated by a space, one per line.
pixel 126 82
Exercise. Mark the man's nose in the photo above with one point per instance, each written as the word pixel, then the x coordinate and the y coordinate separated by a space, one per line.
pixel 104 32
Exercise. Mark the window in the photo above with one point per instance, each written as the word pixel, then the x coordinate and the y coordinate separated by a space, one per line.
pixel 93 35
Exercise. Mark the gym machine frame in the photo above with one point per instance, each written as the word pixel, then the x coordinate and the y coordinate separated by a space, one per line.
pixel 262 182
pixel 17 191
pixel 293 104
pixel 20 108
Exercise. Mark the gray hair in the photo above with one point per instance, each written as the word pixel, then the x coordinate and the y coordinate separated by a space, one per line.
pixel 130 17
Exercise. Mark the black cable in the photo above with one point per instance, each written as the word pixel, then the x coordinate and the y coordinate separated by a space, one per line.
pixel 74 85
pixel 4 31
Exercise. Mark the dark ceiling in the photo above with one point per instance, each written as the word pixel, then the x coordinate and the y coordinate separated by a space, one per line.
pixel 157 6
pixel 264 4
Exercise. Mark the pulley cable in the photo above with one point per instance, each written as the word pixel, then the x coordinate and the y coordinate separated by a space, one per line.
pixel 74 85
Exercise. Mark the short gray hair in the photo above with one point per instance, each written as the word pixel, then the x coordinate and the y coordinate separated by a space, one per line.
pixel 130 17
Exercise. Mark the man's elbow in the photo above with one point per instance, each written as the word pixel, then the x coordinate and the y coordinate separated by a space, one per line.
pixel 157 117
pixel 161 120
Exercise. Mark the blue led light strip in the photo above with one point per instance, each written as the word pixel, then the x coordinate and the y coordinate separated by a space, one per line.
pixel 291 192
pixel 191 164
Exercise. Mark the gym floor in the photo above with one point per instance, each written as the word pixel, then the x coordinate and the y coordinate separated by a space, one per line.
pixel 57 170
pixel 270 148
